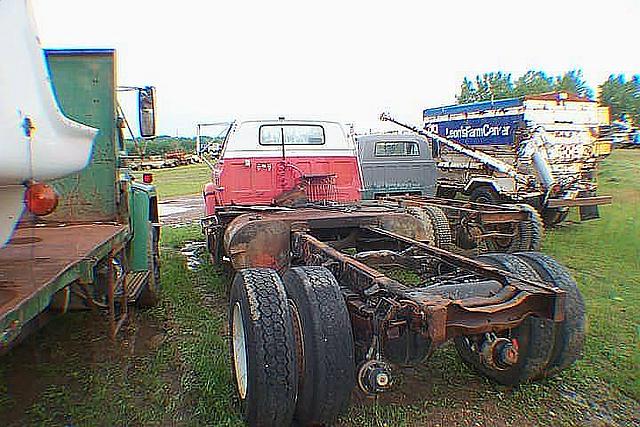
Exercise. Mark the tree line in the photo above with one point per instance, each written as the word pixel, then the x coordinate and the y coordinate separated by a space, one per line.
pixel 620 94
pixel 164 144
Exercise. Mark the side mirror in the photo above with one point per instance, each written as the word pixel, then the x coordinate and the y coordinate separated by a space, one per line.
pixel 146 111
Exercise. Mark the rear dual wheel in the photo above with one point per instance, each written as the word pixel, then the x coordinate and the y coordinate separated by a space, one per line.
pixel 436 224
pixel 544 347
pixel 527 235
pixel 262 348
pixel 326 352
pixel 291 346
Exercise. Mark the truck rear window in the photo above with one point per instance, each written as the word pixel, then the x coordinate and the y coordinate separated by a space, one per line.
pixel 291 134
pixel 398 148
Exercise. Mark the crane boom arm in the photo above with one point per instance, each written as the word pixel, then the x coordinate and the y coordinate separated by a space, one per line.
pixel 486 159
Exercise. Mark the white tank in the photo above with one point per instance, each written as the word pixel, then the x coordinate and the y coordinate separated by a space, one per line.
pixel 37 142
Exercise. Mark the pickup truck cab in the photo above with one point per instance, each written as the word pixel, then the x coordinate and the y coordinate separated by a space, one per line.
pixel 396 164
pixel 264 160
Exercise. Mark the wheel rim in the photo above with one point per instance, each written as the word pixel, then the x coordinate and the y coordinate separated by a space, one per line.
pixel 239 351
pixel 299 338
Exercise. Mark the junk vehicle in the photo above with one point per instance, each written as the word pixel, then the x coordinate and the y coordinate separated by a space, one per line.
pixel 399 169
pixel 77 232
pixel 314 309
pixel 623 134
pixel 539 149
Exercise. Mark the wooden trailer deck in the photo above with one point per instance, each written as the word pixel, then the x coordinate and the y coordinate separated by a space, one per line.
pixel 39 261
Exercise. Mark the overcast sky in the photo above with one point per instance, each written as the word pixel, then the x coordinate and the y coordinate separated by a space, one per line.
pixel 339 60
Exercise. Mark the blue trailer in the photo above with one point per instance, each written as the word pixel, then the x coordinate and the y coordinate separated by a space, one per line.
pixel 541 149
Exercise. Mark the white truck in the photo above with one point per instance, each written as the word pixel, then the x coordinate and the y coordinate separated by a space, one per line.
pixel 539 149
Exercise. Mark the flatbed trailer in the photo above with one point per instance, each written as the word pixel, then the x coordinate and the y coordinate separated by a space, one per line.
pixel 39 262
pixel 98 249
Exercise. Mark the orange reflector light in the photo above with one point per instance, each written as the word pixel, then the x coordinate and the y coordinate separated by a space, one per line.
pixel 147 178
pixel 41 199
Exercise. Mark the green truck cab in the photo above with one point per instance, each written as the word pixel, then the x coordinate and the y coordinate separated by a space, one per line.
pixel 99 248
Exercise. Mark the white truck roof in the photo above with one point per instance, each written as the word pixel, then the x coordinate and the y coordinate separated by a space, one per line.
pixel 331 139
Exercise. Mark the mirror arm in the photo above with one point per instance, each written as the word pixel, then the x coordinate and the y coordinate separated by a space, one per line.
pixel 133 138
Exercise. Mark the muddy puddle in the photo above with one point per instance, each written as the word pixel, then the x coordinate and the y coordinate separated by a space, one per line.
pixel 181 210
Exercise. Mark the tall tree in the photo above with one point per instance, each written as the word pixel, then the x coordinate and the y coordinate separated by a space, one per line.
pixel 494 85
pixel 467 92
pixel 533 82
pixel 622 96
pixel 498 85
pixel 572 81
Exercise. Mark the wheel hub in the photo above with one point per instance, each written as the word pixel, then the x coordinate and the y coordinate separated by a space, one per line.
pixel 374 377
pixel 499 353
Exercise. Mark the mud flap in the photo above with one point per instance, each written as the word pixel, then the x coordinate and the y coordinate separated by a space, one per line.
pixel 589 212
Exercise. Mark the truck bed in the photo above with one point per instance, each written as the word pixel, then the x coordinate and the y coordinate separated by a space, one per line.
pixel 39 261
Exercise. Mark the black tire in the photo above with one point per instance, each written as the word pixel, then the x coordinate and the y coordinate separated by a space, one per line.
pixel 150 294
pixel 554 216
pixel 484 194
pixel 534 335
pixel 441 227
pixel 326 349
pixel 436 225
pixel 569 335
pixel 528 233
pixel 534 226
pixel 260 326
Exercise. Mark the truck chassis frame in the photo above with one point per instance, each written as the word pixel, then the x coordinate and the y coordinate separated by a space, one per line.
pixel 481 227
pixel 480 304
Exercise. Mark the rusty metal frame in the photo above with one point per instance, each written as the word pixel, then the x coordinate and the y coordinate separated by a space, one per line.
pixel 488 220
pixel 581 201
pixel 423 309
pixel 482 212
pixel 115 321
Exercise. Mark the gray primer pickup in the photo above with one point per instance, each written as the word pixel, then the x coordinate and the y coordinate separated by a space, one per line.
pixel 394 164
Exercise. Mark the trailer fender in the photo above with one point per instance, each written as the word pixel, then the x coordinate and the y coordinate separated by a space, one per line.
pixel 251 241
pixel 257 240
pixel 503 186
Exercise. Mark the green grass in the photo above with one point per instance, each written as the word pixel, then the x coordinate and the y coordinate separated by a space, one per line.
pixel 179 181
pixel 171 367
pixel 604 257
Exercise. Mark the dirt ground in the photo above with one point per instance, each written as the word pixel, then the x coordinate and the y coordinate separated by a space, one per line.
pixel 180 210
pixel 440 392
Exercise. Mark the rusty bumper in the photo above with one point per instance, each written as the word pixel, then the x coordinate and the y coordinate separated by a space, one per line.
pixel 581 201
